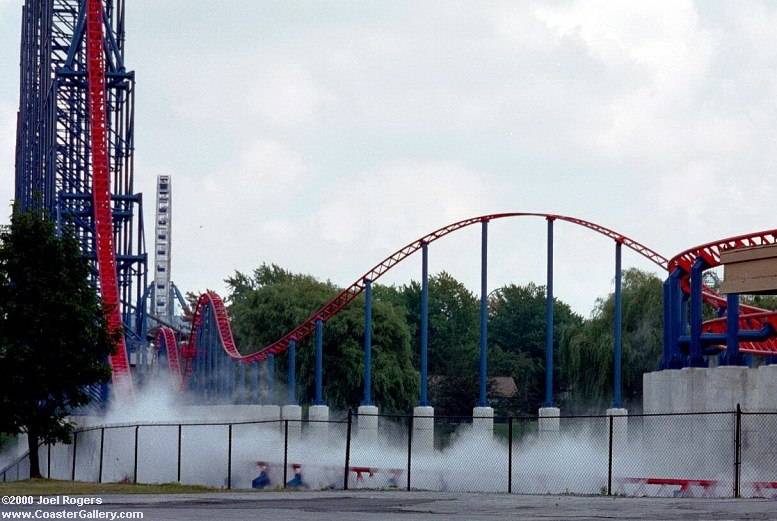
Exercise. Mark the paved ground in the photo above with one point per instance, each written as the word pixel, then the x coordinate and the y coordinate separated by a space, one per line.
pixel 411 506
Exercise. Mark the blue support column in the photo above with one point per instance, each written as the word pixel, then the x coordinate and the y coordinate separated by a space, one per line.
pixel 732 356
pixel 617 348
pixel 424 401
pixel 319 398
pixel 696 358
pixel 675 319
pixel 483 401
pixel 292 379
pixel 367 342
pixel 256 392
pixel 241 381
pixel 549 321
pixel 271 379
pixel 666 359
pixel 229 367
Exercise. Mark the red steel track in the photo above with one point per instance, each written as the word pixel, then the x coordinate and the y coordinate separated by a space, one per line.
pixel 101 193
pixel 346 296
pixel 166 336
pixel 753 317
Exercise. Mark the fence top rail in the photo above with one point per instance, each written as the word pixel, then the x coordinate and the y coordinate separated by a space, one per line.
pixel 504 419
pixel 18 460
pixel 195 423
pixel 182 423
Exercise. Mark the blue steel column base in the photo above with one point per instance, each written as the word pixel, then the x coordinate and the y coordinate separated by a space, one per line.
pixel 697 362
pixel 737 359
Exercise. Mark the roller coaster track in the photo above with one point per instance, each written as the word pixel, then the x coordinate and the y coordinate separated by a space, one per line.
pixel 752 316
pixel 212 301
pixel 165 338
pixel 101 193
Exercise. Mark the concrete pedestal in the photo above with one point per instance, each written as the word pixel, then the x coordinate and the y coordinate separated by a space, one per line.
pixel 423 428
pixel 549 423
pixel 620 427
pixel 318 429
pixel 368 423
pixel 767 382
pixel 272 413
pixel 293 413
pixel 483 420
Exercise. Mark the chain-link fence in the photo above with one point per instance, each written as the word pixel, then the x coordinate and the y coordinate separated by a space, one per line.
pixel 725 454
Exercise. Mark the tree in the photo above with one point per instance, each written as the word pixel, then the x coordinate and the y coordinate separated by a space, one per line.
pixel 54 339
pixel 266 304
pixel 517 341
pixel 453 341
pixel 587 354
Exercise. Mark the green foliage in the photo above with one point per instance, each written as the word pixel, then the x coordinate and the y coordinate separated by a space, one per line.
pixel 271 301
pixel 517 341
pixel 54 339
pixel 586 356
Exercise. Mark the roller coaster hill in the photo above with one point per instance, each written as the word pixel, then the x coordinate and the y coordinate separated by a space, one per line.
pixel 74 162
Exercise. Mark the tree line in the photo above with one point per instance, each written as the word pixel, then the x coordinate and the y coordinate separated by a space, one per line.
pixel 269 301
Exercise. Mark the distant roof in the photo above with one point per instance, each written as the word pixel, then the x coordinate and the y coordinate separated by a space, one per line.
pixel 501 386
pixel 504 386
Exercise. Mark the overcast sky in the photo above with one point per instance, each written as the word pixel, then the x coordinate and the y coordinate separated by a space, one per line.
pixel 322 136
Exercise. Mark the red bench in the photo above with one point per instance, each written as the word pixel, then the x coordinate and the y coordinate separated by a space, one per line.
pixel 686 485
pixel 760 487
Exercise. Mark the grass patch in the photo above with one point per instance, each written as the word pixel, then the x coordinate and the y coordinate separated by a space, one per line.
pixel 44 487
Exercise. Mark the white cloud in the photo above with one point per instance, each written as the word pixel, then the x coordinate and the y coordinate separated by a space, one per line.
pixel 286 94
pixel 386 207
pixel 324 139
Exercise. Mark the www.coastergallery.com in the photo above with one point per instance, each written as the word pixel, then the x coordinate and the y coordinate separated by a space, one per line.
pixel 70 514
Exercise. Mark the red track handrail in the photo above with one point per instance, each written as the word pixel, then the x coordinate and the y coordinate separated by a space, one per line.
pixel 753 317
pixel 711 251
pixel 101 192
pixel 167 336
pixel 331 308
pixel 347 295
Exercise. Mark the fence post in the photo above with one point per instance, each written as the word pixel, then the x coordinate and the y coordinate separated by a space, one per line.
pixel 409 447
pixel 229 458
pixel 48 462
pixel 179 453
pixel 102 444
pixel 609 463
pixel 738 451
pixel 285 451
pixel 135 463
pixel 75 446
pixel 510 455
pixel 347 468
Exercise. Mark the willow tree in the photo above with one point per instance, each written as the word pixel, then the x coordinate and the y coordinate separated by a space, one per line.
pixel 587 353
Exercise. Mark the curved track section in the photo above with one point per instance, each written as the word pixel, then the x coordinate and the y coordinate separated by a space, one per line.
pixel 753 317
pixel 101 193
pixel 165 339
pixel 331 308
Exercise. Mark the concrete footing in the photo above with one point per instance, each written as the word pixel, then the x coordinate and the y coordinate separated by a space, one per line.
pixel 483 420
pixel 318 429
pixel 703 389
pixel 272 413
pixel 368 423
pixel 293 413
pixel 423 428
pixel 549 423
pixel 620 426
